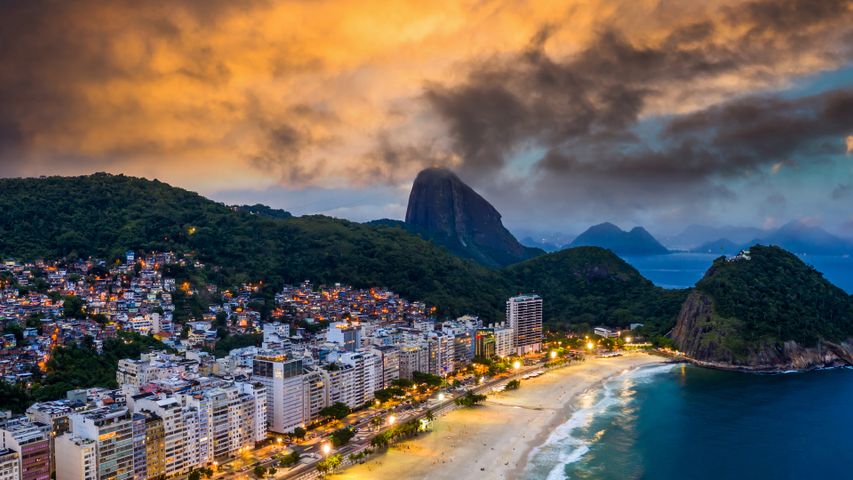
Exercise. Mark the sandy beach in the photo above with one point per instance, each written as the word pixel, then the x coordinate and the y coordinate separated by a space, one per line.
pixel 492 441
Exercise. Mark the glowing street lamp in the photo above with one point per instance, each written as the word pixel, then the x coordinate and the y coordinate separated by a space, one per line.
pixel 327 449
pixel 589 345
pixel 392 420
pixel 553 354
pixel 440 397
pixel 516 365
pixel 627 339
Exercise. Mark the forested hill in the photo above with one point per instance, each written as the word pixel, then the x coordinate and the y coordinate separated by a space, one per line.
pixel 593 286
pixel 105 215
pixel 769 310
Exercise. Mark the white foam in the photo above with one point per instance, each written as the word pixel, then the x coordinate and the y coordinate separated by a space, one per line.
pixel 562 448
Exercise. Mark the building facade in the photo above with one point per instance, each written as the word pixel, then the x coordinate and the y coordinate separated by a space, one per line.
pixel 524 315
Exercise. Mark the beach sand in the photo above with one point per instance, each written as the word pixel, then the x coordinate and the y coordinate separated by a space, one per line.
pixel 492 441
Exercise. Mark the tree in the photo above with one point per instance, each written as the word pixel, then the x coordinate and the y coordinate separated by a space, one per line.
pixel 429 416
pixel 194 475
pixel 260 471
pixel 290 459
pixel 330 463
pixel 342 436
pixel 299 433
pixel 386 394
pixel 72 306
pixel 338 410
pixel 470 399
pixel 513 384
pixel 427 378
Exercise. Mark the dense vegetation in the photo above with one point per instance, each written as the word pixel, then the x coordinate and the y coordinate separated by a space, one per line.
pixel 586 286
pixel 774 295
pixel 105 215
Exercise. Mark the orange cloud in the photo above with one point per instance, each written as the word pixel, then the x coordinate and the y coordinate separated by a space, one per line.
pixel 214 95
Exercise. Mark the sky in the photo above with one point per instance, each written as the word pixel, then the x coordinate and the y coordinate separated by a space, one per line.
pixel 561 113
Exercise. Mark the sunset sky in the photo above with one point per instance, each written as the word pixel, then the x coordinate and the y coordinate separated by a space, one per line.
pixel 561 113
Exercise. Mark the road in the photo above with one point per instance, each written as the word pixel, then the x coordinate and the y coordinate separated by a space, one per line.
pixel 312 450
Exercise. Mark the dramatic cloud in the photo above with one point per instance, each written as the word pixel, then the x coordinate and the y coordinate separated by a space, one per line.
pixel 634 110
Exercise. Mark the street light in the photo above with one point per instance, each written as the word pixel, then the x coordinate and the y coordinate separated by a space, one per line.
pixel 392 419
pixel 440 397
pixel 627 339
pixel 553 354
pixel 327 449
pixel 589 345
pixel 516 365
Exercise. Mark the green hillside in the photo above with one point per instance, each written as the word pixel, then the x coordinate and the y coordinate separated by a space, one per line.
pixel 594 286
pixel 105 215
pixel 774 295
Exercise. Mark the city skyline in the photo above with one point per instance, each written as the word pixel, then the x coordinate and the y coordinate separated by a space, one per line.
pixel 563 114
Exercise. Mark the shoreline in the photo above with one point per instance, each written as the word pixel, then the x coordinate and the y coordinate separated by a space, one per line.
pixel 484 441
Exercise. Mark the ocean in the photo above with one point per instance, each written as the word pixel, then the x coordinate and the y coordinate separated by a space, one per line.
pixel 684 422
pixel 682 270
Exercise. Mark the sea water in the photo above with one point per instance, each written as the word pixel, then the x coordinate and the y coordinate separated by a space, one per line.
pixel 684 422
pixel 682 270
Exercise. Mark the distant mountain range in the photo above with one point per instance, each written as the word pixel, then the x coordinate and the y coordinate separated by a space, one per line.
pixel 696 235
pixel 442 208
pixel 638 241
pixel 795 236
pixel 548 241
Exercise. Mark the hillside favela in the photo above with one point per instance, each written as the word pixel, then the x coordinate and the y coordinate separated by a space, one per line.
pixel 477 239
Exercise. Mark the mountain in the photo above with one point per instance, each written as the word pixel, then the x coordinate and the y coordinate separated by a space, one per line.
pixel 448 212
pixel 723 246
pixel 766 310
pixel 548 241
pixel 799 237
pixel 796 236
pixel 592 286
pixel 696 235
pixel 606 235
pixel 541 244
pixel 105 215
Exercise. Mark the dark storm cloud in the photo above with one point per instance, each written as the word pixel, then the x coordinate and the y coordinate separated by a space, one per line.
pixel 583 111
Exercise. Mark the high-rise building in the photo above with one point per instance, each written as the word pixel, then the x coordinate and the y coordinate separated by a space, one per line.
pixel 31 442
pixel 155 446
pixel 111 430
pixel 413 358
pixel 9 469
pixel 345 334
pixel 186 432
pixel 504 341
pixel 282 377
pixel 524 315
pixel 484 343
pixel 441 353
pixel 76 458
pixel 389 358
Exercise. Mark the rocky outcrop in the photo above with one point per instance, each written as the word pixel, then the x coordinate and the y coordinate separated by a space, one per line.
pixel 712 341
pixel 445 210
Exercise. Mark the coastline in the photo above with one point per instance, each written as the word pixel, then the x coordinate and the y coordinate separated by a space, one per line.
pixel 494 441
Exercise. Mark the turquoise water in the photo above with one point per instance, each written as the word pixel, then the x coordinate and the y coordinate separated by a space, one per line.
pixel 682 270
pixel 683 422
